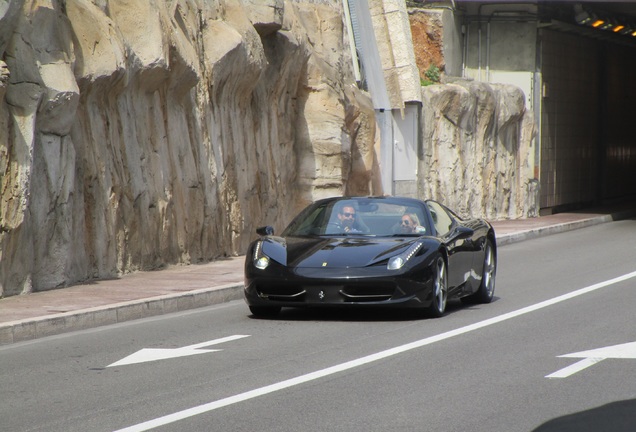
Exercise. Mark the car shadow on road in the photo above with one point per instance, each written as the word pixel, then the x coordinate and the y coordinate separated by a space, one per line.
pixel 363 313
pixel 613 417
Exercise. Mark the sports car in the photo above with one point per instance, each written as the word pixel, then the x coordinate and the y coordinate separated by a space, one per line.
pixel 371 251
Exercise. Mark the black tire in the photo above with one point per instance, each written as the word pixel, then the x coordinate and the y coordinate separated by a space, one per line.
pixel 486 290
pixel 440 289
pixel 265 311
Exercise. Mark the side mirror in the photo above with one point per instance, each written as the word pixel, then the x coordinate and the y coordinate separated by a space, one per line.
pixel 265 231
pixel 463 233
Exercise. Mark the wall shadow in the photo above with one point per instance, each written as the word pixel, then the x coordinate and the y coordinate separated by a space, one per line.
pixel 613 417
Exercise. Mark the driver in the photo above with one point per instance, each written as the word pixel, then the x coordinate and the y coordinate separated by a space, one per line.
pixel 346 219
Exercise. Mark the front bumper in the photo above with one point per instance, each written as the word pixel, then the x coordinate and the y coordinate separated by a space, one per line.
pixel 371 286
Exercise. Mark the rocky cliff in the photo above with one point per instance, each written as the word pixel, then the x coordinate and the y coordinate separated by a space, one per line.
pixel 135 135
pixel 139 134
pixel 477 148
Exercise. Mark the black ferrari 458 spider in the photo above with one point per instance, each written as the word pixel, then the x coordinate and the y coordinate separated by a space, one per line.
pixel 379 251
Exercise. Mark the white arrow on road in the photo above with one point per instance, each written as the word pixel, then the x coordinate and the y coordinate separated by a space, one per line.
pixel 152 354
pixel 591 357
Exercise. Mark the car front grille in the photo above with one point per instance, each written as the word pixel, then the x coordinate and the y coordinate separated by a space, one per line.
pixel 281 293
pixel 326 293
pixel 359 293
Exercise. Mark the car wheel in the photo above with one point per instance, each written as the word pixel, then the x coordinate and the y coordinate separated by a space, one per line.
pixel 486 290
pixel 440 289
pixel 265 311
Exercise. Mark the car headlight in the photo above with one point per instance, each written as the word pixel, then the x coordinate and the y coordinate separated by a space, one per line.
pixel 397 262
pixel 261 261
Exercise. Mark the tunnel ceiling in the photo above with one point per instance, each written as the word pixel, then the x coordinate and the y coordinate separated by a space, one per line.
pixel 559 15
pixel 619 19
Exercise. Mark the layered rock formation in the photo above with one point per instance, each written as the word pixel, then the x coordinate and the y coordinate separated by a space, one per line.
pixel 134 135
pixel 476 153
pixel 139 134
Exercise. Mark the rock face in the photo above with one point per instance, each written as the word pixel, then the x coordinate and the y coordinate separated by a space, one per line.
pixel 476 150
pixel 477 138
pixel 427 40
pixel 139 134
pixel 134 135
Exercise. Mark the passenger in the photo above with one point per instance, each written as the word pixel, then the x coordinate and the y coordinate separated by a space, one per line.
pixel 411 224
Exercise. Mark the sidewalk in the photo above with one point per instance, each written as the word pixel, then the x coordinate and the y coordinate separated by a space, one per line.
pixel 179 288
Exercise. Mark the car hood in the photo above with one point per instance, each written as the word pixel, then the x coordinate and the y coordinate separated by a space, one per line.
pixel 333 252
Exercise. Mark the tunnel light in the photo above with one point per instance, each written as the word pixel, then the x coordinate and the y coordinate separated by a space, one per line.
pixel 587 17
pixel 598 23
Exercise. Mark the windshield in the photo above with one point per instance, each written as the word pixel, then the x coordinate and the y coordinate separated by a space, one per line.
pixel 361 216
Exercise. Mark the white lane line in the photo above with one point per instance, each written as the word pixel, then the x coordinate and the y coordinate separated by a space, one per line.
pixel 576 367
pixel 211 406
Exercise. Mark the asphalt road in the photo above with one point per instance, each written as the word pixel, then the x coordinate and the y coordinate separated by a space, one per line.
pixel 480 368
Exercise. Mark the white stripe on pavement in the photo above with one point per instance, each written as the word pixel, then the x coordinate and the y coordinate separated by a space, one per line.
pixel 576 367
pixel 211 406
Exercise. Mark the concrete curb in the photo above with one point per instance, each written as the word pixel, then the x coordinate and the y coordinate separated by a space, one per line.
pixel 549 230
pixel 563 227
pixel 50 325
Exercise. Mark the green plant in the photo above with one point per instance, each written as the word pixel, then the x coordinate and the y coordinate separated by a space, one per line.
pixel 432 75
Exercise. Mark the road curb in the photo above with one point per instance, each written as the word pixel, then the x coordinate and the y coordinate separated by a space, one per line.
pixel 34 328
pixel 516 237
pixel 553 229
